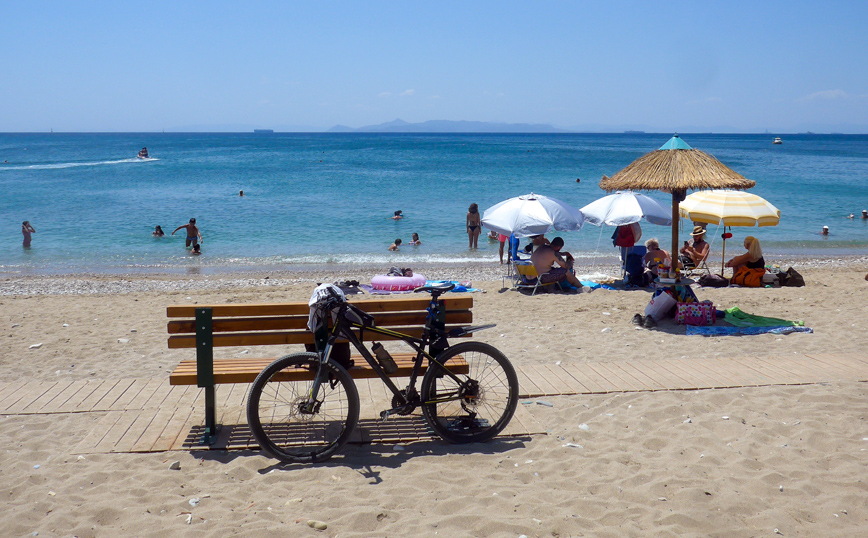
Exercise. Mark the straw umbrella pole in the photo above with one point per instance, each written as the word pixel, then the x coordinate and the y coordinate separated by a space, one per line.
pixel 675 168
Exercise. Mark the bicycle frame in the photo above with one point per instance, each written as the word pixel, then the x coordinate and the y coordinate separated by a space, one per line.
pixel 343 328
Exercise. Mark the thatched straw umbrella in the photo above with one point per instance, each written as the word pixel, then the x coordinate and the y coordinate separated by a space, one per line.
pixel 675 168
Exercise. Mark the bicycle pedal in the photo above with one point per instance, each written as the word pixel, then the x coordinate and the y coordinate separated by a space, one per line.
pixel 384 415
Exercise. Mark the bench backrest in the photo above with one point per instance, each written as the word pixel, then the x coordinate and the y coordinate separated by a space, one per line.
pixel 286 323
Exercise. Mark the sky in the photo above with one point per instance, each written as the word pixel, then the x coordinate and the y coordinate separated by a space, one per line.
pixel 777 66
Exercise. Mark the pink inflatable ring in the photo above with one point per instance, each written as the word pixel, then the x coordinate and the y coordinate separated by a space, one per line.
pixel 397 283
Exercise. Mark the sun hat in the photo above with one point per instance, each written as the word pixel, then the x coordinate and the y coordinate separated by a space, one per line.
pixel 697 230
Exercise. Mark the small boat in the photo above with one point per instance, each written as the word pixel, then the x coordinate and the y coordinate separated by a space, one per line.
pixel 143 153
pixel 777 140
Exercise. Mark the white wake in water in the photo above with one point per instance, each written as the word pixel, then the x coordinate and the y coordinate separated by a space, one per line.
pixel 72 165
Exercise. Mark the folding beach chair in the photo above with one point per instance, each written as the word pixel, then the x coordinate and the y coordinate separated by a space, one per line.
pixel 514 256
pixel 526 277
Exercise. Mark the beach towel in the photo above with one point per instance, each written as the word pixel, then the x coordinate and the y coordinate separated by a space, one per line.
pixel 694 330
pixel 734 316
pixel 461 286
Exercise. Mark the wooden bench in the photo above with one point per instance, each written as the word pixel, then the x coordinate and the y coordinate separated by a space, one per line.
pixel 281 324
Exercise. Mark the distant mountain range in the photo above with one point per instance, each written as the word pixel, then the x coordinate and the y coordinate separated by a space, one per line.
pixel 447 126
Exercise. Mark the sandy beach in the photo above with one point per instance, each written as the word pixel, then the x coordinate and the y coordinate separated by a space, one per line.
pixel 736 462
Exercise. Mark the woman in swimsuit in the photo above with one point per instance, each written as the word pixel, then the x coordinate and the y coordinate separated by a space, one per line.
pixel 473 225
pixel 26 230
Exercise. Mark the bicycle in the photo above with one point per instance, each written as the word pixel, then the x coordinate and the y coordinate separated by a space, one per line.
pixel 303 407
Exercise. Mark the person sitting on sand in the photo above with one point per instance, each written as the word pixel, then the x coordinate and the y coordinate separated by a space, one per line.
pixel 395 245
pixel 749 268
pixel 158 231
pixel 193 235
pixel 544 259
pixel 415 240
pixel 26 230
pixel 693 255
pixel 655 257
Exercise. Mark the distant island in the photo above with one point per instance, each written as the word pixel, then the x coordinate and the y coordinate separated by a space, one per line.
pixel 263 130
pixel 447 126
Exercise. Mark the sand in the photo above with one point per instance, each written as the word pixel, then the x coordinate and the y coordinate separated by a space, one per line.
pixel 786 460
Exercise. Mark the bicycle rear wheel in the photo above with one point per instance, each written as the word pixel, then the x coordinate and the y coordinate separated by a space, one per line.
pixel 480 404
pixel 284 423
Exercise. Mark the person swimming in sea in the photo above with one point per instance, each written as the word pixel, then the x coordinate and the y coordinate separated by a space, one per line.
pixel 158 231
pixel 395 245
pixel 398 215
pixel 415 241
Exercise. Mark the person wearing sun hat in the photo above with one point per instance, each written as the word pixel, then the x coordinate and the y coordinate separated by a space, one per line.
pixel 693 254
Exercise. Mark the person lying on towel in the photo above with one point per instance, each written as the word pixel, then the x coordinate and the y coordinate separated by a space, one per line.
pixel 749 268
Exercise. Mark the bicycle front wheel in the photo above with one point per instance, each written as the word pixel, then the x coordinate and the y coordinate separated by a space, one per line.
pixel 479 403
pixel 292 426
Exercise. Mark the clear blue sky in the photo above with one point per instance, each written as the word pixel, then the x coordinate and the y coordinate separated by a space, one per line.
pixel 663 66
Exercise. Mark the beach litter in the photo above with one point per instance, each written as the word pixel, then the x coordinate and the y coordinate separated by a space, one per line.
pixel 194 501
pixel 36 346
pixel 175 466
pixel 318 525
pixel 572 445
pixel 547 404
pixel 584 427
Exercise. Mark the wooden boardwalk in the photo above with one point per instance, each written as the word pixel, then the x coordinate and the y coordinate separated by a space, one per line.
pixel 149 415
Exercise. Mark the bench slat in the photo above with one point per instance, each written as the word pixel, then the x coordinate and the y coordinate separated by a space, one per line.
pixel 274 323
pixel 275 338
pixel 295 309
pixel 246 370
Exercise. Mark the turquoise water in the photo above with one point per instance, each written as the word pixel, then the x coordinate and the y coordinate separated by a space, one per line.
pixel 326 199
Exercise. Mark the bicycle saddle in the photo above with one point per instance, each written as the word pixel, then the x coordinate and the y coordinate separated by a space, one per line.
pixel 437 287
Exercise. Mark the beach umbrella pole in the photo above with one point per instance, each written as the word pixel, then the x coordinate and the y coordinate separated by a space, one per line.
pixel 723 256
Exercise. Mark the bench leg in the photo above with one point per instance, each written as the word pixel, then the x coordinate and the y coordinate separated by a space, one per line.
pixel 209 436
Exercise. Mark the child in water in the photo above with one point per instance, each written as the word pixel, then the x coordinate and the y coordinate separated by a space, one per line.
pixel 197 250
pixel 158 231
pixel 395 245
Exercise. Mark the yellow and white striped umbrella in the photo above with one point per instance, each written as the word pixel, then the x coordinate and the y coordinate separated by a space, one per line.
pixel 730 208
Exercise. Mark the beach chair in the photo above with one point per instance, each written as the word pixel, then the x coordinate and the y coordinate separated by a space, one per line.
pixel 526 277
pixel 641 250
pixel 514 256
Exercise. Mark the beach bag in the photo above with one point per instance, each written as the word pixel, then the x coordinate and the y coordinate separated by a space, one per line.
pixel 660 305
pixel 635 270
pixel 624 236
pixel 793 278
pixel 701 313
pixel 749 278
pixel 713 281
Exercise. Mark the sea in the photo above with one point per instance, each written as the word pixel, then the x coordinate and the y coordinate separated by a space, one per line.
pixel 326 199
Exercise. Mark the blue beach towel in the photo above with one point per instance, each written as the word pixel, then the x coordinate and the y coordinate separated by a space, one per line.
pixel 737 331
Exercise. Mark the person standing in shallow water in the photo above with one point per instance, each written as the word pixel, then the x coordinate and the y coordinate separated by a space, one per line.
pixel 474 226
pixel 193 235
pixel 27 230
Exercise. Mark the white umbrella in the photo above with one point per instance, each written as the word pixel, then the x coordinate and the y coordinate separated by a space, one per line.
pixel 532 214
pixel 625 208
